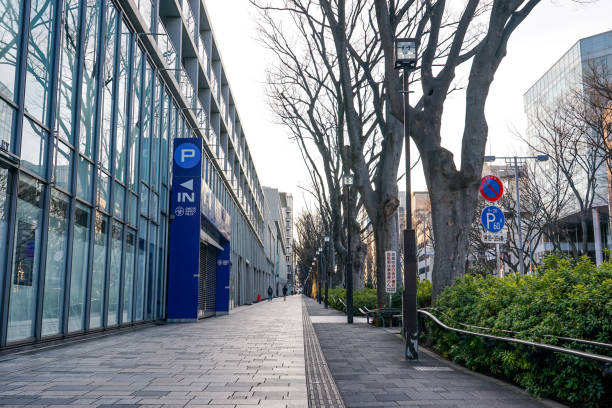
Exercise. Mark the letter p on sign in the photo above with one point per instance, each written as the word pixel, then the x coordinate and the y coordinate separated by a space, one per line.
pixel 187 153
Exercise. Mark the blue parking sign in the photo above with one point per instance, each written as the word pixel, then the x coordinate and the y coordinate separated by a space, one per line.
pixel 492 219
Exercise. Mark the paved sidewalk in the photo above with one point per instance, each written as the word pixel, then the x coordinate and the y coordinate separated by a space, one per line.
pixel 253 357
pixel 368 366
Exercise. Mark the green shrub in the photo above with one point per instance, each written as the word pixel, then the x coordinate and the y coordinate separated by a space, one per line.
pixel 565 298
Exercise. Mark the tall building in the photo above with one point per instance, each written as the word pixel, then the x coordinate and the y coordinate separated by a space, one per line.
pixel 565 76
pixel 276 239
pixel 92 95
pixel 286 202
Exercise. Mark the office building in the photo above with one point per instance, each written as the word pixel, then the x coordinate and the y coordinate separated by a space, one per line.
pixel 92 95
pixel 564 77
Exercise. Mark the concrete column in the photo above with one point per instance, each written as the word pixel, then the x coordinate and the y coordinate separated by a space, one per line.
pixel 597 234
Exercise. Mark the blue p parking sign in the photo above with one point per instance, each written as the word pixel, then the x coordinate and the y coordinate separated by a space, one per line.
pixel 187 155
pixel 492 219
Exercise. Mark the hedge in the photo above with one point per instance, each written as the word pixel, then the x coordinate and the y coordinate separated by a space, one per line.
pixel 564 298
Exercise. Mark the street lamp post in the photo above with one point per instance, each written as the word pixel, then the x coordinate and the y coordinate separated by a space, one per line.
pixel 406 59
pixel 320 258
pixel 347 181
pixel 514 160
pixel 326 270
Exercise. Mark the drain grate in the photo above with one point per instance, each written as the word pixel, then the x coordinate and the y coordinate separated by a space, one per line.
pixel 433 368
pixel 321 387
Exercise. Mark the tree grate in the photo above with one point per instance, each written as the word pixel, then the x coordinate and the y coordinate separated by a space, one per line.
pixel 321 387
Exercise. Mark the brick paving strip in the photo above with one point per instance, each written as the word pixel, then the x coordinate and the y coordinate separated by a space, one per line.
pixel 253 357
pixel 369 369
pixel 322 389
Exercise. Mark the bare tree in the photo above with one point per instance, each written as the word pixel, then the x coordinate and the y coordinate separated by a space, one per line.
pixel 309 229
pixel 362 35
pixel 306 97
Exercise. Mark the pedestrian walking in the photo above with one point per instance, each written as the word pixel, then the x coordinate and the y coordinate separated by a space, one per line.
pixel 285 293
pixel 270 293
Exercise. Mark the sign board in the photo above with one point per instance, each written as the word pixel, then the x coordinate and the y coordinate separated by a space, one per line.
pixel 492 219
pixel 184 243
pixel 390 272
pixel 491 188
pixel 494 237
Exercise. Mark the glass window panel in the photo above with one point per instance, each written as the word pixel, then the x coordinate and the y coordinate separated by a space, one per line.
pixel 154 208
pixel 133 209
pixel 164 139
pixel 151 271
pixel 63 166
pixel 128 278
pixel 155 139
pixel 121 119
pixel 101 230
pixel 135 134
pixel 115 274
pixel 40 59
pixel 5 202
pixel 7 114
pixel 119 199
pixel 85 180
pixel 57 244
pixel 161 281
pixel 163 203
pixel 147 114
pixel 108 81
pixel 10 26
pixel 22 306
pixel 144 200
pixel 80 265
pixel 140 274
pixel 89 79
pixel 103 197
pixel 33 147
pixel 68 69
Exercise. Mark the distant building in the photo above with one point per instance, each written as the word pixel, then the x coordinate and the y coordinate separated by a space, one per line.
pixel 275 240
pixel 565 76
pixel 286 203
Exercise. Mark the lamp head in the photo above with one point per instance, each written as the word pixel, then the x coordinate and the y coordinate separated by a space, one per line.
pixel 405 53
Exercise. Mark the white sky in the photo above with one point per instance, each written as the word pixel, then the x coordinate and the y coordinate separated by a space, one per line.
pixel 551 29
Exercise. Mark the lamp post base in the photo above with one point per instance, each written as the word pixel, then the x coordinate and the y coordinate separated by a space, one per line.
pixel 409 302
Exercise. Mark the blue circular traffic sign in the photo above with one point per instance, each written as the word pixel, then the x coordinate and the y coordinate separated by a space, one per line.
pixel 491 188
pixel 493 219
pixel 187 155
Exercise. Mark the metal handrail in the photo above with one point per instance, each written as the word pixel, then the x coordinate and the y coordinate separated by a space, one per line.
pixel 572 339
pixel 597 357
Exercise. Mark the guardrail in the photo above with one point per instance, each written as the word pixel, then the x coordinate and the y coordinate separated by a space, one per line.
pixel 604 361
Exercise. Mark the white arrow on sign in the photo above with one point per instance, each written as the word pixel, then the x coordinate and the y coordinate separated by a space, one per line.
pixel 188 184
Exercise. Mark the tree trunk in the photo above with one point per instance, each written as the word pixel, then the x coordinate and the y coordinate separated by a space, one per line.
pixel 453 202
pixel 386 239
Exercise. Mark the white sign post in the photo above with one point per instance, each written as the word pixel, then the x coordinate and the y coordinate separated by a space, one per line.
pixel 494 237
pixel 390 272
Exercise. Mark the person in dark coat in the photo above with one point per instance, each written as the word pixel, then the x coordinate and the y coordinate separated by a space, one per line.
pixel 270 291
pixel 284 292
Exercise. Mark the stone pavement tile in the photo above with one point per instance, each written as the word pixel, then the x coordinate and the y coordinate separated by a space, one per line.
pixel 369 368
pixel 260 347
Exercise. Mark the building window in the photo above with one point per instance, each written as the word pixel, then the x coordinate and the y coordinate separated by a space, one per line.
pixel 57 244
pixel 101 230
pixel 80 266
pixel 26 254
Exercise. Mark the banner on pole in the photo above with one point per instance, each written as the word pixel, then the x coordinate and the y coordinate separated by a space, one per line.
pixel 390 272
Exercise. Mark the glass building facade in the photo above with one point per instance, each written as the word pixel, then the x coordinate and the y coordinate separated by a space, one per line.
pixel 92 92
